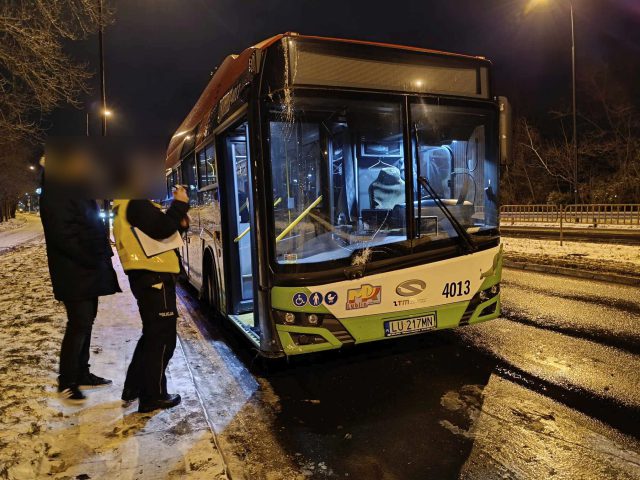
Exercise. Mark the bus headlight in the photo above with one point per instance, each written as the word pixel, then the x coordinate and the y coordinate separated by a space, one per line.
pixel 298 318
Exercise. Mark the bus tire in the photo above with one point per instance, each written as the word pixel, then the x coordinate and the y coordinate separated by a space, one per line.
pixel 209 285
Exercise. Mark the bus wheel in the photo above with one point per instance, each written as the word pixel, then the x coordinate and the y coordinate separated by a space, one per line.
pixel 210 296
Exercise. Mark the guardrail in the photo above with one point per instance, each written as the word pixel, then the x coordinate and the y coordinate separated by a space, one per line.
pixel 603 214
pixel 583 214
pixel 530 213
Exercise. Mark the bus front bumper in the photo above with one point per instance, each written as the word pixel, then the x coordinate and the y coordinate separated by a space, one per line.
pixel 335 334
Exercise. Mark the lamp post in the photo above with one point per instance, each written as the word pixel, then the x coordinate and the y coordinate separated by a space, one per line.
pixel 575 115
pixel 103 94
pixel 103 100
pixel 532 4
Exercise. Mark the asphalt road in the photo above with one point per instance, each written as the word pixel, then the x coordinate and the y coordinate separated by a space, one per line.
pixel 550 390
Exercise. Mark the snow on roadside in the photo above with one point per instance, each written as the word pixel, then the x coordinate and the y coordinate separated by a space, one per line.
pixel 571 225
pixel 601 257
pixel 32 324
pixel 13 223
pixel 41 438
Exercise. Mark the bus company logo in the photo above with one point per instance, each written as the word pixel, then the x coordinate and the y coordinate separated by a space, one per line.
pixel 364 296
pixel 411 288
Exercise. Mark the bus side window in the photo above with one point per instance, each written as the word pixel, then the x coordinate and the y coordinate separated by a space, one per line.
pixel 189 178
pixel 208 181
pixel 172 181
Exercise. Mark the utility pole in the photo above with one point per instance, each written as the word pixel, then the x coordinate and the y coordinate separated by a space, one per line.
pixel 103 94
pixel 575 114
pixel 103 100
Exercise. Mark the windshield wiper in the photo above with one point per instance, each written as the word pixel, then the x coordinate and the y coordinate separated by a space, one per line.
pixel 466 241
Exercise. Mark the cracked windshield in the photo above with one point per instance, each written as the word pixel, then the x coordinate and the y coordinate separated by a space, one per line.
pixel 339 186
pixel 338 179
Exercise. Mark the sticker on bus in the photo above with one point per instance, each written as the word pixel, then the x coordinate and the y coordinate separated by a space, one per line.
pixel 315 299
pixel 299 299
pixel 364 296
pixel 331 298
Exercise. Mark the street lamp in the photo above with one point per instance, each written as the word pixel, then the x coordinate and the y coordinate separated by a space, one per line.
pixel 103 113
pixel 530 6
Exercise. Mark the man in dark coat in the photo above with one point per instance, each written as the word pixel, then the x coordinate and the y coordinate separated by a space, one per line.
pixel 79 255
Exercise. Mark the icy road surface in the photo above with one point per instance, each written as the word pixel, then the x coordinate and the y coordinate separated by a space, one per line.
pixel 548 391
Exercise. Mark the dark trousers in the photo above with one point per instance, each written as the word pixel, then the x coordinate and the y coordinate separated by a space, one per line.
pixel 156 296
pixel 74 354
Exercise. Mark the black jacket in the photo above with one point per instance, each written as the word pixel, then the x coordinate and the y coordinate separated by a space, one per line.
pixel 78 249
pixel 153 221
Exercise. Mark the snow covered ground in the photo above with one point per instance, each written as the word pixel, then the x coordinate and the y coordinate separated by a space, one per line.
pixel 41 438
pixel 600 257
pixel 25 228
pixel 13 223
pixel 571 225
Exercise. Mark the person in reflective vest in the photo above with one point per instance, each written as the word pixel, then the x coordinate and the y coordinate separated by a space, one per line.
pixel 153 283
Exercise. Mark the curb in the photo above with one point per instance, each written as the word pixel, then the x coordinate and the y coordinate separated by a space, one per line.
pixel 574 272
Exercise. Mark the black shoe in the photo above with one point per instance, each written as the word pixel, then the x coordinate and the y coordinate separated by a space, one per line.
pixel 71 394
pixel 90 380
pixel 130 394
pixel 170 400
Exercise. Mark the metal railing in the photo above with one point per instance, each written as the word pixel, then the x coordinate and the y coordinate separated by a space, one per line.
pixel 603 214
pixel 583 214
pixel 529 214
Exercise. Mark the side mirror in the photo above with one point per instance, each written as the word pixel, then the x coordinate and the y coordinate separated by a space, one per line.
pixel 506 135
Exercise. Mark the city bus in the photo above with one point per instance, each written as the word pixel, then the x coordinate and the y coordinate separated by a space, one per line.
pixel 343 192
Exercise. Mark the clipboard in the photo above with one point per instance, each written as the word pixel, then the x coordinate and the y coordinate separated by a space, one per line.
pixel 152 247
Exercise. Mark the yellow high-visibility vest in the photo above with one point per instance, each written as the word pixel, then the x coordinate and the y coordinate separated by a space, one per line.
pixel 130 252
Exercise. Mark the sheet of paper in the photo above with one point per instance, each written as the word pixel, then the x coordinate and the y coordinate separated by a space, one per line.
pixel 152 247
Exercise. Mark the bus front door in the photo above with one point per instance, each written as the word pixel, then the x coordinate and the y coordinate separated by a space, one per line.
pixel 236 193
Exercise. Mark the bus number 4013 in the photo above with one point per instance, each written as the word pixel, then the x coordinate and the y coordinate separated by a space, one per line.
pixel 456 289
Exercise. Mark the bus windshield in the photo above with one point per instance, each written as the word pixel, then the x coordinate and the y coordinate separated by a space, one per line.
pixel 338 177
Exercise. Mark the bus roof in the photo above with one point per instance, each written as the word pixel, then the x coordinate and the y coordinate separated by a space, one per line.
pixel 234 66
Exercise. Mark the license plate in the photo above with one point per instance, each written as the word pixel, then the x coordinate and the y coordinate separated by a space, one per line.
pixel 408 326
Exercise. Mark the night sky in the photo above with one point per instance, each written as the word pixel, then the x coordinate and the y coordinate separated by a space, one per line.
pixel 159 53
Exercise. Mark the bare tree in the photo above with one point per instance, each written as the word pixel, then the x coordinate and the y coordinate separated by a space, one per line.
pixel 17 178
pixel 36 75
